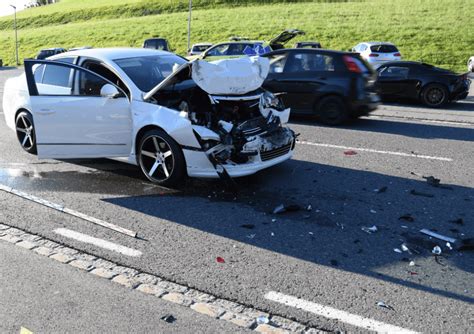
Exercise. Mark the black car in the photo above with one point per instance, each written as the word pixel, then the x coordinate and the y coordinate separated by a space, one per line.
pixel 45 53
pixel 334 86
pixel 308 45
pixel 157 43
pixel 431 85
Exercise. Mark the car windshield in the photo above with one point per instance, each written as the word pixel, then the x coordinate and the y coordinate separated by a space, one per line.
pixel 148 71
pixel 384 48
pixel 159 44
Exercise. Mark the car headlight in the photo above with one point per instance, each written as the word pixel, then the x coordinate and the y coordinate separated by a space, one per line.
pixel 270 100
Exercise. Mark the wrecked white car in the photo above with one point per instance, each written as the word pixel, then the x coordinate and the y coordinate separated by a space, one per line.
pixel 153 109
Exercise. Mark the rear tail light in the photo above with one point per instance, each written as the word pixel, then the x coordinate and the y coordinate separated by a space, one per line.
pixel 351 64
pixel 397 54
pixel 373 55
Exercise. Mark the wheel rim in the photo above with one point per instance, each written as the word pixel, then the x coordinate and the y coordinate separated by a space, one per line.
pixel 156 158
pixel 435 96
pixel 25 132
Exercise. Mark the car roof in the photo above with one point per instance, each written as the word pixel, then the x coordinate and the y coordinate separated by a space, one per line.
pixel 203 43
pixel 377 43
pixel 115 53
pixel 405 62
pixel 52 49
pixel 239 42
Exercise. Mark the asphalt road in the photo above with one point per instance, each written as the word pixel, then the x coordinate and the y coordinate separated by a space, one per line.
pixel 45 296
pixel 322 256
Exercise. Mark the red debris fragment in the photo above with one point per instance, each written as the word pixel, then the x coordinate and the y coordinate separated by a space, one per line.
pixel 220 259
pixel 350 152
pixel 413 273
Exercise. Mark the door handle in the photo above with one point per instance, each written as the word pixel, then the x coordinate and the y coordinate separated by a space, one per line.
pixel 46 112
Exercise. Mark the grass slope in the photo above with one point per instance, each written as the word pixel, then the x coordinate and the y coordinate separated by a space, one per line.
pixel 429 30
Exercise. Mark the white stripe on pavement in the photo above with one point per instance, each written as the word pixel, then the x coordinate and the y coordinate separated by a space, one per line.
pixel 97 242
pixel 332 313
pixel 401 154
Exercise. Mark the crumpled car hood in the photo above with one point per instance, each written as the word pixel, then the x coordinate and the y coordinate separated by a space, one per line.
pixel 230 76
pixel 222 77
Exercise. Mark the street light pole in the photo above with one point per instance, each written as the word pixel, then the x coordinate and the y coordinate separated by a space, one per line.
pixel 189 24
pixel 16 37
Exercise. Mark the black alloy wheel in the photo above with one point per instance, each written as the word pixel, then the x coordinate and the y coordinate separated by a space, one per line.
pixel 332 110
pixel 434 95
pixel 25 132
pixel 161 159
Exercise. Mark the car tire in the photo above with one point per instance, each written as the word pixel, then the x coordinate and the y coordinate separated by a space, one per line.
pixel 161 159
pixel 332 110
pixel 25 132
pixel 434 95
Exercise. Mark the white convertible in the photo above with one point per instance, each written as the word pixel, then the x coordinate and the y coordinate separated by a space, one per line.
pixel 170 117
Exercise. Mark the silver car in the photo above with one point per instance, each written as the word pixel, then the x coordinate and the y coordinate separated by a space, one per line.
pixel 377 53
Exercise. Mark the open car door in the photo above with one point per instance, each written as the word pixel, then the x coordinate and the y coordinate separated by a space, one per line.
pixel 77 113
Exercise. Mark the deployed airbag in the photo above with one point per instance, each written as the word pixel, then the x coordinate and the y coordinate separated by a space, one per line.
pixel 230 76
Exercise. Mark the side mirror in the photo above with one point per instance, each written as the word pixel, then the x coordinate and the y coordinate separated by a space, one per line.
pixel 109 91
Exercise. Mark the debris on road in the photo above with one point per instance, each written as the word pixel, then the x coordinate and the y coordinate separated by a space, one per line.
pixel 380 190
pixel 262 320
pixel 448 244
pixel 412 263
pixel 417 193
pixel 436 250
pixel 248 226
pixel 370 230
pixel 397 250
pixel 382 304
pixel 220 259
pixel 405 248
pixel 437 235
pixel 251 236
pixel 373 211
pixel 407 217
pixel 309 207
pixel 350 152
pixel 432 181
pixel 286 208
pixel 168 318
pixel 458 221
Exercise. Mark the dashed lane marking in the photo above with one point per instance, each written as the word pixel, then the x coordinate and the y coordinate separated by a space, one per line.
pixel 361 149
pixel 332 313
pixel 97 242
pixel 71 212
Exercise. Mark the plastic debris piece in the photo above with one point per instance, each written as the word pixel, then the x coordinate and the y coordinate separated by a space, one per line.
pixel 437 235
pixel 373 211
pixel 262 320
pixel 350 152
pixel 382 304
pixel 436 250
pixel 251 236
pixel 458 221
pixel 397 250
pixel 448 244
pixel 380 190
pixel 168 318
pixel 279 209
pixel 220 259
pixel 412 273
pixel 248 226
pixel 407 217
pixel 412 263
pixel 309 207
pixel 274 220
pixel 432 181
pixel 404 248
pixel 417 193
pixel 370 230
pixel 272 234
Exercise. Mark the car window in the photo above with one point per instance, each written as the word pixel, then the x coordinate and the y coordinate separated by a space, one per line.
pixel 303 62
pixel 384 48
pixel 148 71
pixel 362 48
pixel 237 49
pixel 63 80
pixel 220 50
pixel 277 63
pixel 200 48
pixel 158 44
pixel 394 72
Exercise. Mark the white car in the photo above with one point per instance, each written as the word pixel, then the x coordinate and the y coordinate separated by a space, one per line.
pixel 198 48
pixel 470 64
pixel 170 117
pixel 377 53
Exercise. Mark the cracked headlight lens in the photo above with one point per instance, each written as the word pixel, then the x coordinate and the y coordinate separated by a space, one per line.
pixel 270 100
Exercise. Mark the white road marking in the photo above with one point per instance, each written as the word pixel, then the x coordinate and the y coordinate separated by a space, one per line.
pixel 401 154
pixel 332 313
pixel 71 212
pixel 97 242
pixel 422 120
